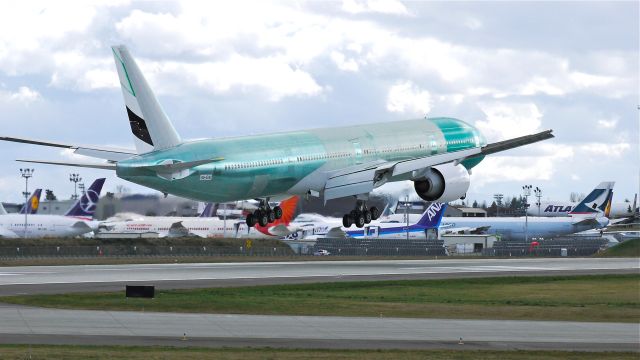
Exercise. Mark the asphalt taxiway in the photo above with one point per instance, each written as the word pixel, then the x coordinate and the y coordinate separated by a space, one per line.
pixel 87 278
pixel 37 325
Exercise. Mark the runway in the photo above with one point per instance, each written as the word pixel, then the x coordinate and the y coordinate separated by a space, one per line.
pixel 86 278
pixel 37 325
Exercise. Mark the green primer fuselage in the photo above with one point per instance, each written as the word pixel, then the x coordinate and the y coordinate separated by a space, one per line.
pixel 296 162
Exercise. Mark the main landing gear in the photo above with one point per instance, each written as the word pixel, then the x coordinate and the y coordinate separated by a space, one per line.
pixel 264 215
pixel 360 215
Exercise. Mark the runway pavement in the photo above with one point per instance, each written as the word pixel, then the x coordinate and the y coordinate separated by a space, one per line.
pixel 37 325
pixel 86 278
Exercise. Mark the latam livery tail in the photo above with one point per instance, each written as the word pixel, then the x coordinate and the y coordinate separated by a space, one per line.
pixel 85 207
pixel 597 203
pixel 32 205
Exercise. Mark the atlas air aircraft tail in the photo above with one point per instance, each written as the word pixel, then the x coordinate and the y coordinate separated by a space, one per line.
pixel 32 205
pixel 85 207
pixel 597 203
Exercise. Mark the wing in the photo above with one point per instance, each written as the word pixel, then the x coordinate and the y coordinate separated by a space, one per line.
pixel 363 178
pixel 112 154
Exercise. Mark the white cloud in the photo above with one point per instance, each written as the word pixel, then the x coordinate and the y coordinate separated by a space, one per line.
pixel 343 63
pixel 24 95
pixel 406 97
pixel 505 168
pixel 597 150
pixel 509 120
pixel 393 7
pixel 272 75
pixel 608 123
pixel 473 23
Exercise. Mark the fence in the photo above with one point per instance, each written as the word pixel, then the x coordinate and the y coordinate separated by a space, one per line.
pixel 562 246
pixel 381 247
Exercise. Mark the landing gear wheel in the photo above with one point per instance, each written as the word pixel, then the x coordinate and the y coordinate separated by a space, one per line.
pixel 347 221
pixel 367 216
pixel 277 211
pixel 375 213
pixel 251 220
pixel 359 220
pixel 271 216
pixel 263 220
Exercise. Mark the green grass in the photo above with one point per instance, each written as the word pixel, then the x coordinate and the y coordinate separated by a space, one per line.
pixel 613 298
pixel 629 248
pixel 156 352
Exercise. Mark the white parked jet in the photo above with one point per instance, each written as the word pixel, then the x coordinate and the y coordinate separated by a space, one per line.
pixel 204 226
pixel 77 221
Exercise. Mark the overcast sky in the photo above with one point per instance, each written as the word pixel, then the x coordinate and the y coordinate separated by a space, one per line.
pixel 238 68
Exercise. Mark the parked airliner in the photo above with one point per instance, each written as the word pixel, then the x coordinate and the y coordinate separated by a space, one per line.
pixel 204 226
pixel 76 221
pixel 332 228
pixel 437 154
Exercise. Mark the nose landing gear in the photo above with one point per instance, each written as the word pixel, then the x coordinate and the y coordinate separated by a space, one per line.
pixel 361 215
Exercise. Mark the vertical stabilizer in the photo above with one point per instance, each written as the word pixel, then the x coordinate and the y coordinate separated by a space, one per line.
pixel 149 124
pixel 88 202
pixel 596 202
pixel 32 205
pixel 432 217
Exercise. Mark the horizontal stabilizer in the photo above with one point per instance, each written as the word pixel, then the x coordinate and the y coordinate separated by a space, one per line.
pixel 100 152
pixel 280 230
pixel 516 142
pixel 104 166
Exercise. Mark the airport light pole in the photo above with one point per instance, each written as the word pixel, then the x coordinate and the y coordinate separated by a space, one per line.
pixel 75 178
pixel 526 191
pixel 26 174
pixel 498 199
pixel 538 193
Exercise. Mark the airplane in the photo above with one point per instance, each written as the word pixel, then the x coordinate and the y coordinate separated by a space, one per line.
pixel 76 221
pixel 205 225
pixel 590 213
pixel 430 219
pixel 32 204
pixel 437 154
pixel 563 208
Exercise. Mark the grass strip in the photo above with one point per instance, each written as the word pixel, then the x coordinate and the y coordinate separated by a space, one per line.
pixel 156 352
pixel 610 298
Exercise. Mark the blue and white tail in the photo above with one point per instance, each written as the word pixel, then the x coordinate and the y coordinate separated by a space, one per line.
pixel 432 217
pixel 150 126
pixel 597 202
pixel 209 210
pixel 32 205
pixel 88 202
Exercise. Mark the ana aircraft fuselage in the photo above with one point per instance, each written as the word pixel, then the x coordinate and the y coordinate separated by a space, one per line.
pixel 296 162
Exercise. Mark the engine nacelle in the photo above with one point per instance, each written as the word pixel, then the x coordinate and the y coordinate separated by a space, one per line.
pixel 443 183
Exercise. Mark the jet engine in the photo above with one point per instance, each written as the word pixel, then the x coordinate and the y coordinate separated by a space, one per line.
pixel 442 183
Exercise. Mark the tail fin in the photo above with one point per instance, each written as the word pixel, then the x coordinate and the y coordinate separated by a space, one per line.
pixel 86 205
pixel 288 210
pixel 31 206
pixel 432 216
pixel 149 124
pixel 209 210
pixel 596 202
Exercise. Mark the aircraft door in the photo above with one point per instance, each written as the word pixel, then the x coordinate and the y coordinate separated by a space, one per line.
pixel 358 152
pixel 372 231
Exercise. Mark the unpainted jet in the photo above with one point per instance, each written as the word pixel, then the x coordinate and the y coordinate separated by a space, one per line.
pixel 437 154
